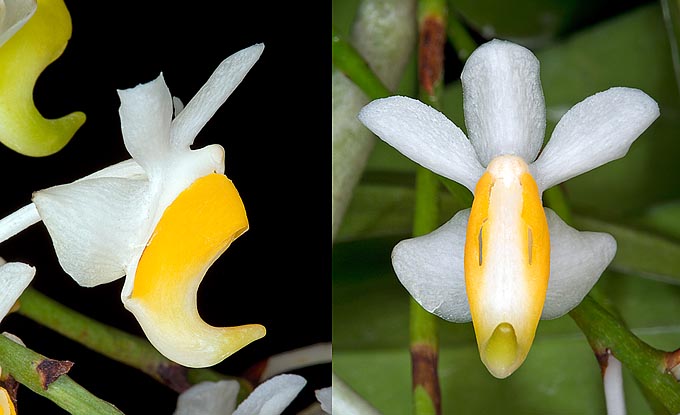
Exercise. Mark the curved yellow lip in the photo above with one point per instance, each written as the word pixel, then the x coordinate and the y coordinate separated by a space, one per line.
pixel 507 263
pixel 193 232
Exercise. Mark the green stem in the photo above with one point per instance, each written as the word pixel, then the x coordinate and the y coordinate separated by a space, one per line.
pixel 114 343
pixel 423 325
pixel 605 332
pixel 352 64
pixel 460 38
pixel 22 364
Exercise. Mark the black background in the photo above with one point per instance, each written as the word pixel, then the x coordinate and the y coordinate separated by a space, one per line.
pixel 273 132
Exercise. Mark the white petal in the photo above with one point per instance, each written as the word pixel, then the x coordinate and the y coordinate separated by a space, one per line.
pixel 94 225
pixel 178 105
pixel 595 131
pixel 208 398
pixel 431 268
pixel 15 15
pixel 273 396
pixel 503 101
pixel 324 396
pixel 14 278
pixel 424 135
pixel 145 119
pixel 212 95
pixel 577 260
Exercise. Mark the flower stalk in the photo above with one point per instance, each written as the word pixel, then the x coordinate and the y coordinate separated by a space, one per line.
pixel 48 378
pixel 424 340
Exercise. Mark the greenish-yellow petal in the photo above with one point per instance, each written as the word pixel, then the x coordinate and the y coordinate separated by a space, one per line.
pixel 22 59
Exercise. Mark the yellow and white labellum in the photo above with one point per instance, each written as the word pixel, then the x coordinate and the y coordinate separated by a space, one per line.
pixel 197 227
pixel 507 263
pixel 6 404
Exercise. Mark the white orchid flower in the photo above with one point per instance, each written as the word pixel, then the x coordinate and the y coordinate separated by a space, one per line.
pixel 160 219
pixel 219 398
pixel 507 262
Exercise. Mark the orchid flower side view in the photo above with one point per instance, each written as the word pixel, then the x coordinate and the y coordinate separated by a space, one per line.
pixel 32 35
pixel 160 219
pixel 507 262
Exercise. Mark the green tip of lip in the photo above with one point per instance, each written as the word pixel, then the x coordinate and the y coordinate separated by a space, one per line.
pixel 501 351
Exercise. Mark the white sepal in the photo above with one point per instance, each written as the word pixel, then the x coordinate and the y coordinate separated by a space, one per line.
pixel 424 135
pixel 503 101
pixel 145 119
pixel 14 278
pixel 431 268
pixel 212 95
pixel 94 225
pixel 208 398
pixel 593 132
pixel 577 260
pixel 325 398
pixel 273 396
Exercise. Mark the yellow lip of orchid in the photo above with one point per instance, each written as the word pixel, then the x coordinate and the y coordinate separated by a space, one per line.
pixel 507 263
pixel 197 227
pixel 37 37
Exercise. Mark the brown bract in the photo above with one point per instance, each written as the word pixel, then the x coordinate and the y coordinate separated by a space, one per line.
pixel 49 370
pixel 431 53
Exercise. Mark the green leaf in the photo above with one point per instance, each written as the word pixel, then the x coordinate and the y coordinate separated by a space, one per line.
pixel 536 22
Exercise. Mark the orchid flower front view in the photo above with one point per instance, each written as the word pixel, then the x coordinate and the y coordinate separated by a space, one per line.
pixel 507 262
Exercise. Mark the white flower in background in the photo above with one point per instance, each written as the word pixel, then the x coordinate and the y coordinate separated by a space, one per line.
pixel 160 219
pixel 219 398
pixel 14 278
pixel 325 398
pixel 507 262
